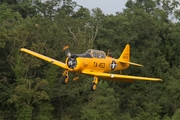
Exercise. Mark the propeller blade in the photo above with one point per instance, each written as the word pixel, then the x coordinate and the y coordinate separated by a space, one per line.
pixel 67 51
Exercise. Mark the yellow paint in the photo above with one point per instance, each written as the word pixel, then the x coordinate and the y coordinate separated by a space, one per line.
pixel 76 78
pixel 98 67
pixel 66 47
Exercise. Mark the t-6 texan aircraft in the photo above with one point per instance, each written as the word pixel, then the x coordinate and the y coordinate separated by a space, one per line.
pixel 94 63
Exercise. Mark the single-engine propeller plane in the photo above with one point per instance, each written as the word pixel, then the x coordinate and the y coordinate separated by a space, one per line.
pixel 94 63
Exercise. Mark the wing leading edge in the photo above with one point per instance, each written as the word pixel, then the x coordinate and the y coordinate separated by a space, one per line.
pixel 48 59
pixel 118 77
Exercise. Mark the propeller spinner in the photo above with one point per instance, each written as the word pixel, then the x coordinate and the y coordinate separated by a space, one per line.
pixel 71 62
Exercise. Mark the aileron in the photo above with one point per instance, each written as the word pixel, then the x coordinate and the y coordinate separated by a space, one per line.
pixel 119 77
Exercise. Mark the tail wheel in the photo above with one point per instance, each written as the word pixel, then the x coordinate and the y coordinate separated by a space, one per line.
pixel 64 79
pixel 93 87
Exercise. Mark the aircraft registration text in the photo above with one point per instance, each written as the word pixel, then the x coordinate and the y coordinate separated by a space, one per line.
pixel 101 65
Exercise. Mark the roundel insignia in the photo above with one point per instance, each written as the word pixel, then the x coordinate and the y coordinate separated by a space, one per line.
pixel 113 65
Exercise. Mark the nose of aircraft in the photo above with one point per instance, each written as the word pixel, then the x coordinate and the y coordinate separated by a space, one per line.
pixel 71 62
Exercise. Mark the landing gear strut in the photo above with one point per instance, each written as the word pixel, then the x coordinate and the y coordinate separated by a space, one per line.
pixel 94 84
pixel 65 77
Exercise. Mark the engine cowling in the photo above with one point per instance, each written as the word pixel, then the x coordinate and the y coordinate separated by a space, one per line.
pixel 73 63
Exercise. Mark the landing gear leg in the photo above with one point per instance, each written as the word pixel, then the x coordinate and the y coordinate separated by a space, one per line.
pixel 94 84
pixel 65 77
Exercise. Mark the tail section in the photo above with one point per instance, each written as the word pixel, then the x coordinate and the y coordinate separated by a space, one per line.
pixel 125 57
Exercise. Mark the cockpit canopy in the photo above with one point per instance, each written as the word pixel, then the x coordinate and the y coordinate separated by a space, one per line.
pixel 91 53
pixel 96 53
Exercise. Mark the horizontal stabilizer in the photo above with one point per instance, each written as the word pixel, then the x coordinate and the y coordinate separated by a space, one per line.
pixel 131 63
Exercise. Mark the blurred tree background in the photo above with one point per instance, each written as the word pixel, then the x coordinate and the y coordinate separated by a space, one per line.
pixel 31 89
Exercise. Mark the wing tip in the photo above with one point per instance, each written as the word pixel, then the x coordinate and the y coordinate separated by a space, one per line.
pixel 22 49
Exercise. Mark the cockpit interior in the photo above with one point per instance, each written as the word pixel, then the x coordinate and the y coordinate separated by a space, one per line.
pixel 91 53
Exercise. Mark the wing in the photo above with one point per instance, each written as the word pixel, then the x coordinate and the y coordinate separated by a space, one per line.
pixel 48 59
pixel 117 77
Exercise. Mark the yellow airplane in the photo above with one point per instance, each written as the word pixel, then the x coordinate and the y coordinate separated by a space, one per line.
pixel 94 63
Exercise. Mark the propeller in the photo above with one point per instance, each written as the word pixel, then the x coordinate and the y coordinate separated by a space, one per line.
pixel 67 51
pixel 71 62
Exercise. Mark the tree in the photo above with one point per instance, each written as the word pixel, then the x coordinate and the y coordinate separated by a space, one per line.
pixel 101 104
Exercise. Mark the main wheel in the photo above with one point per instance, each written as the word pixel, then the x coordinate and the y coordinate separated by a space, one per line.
pixel 64 79
pixel 93 87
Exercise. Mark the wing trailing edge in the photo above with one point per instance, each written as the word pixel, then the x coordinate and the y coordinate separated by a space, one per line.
pixel 117 77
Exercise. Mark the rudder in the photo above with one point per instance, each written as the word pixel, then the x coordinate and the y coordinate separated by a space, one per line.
pixel 125 56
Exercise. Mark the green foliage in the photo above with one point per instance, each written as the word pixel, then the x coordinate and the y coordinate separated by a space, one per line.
pixel 25 113
pixel 45 111
pixel 176 115
pixel 101 104
pixel 31 88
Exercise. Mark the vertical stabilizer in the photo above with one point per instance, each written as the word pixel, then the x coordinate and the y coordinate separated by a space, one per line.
pixel 125 56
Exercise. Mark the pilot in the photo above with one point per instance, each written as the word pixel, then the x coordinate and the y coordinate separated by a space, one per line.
pixel 110 54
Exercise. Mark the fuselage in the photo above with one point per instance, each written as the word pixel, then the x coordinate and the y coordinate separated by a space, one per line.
pixel 106 64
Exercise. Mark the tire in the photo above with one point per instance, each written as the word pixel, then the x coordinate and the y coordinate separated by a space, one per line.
pixel 64 80
pixel 93 87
